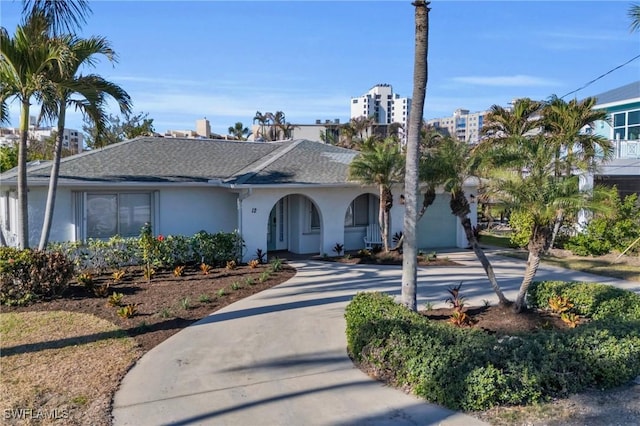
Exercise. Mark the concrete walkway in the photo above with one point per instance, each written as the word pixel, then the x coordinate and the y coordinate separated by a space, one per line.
pixel 279 358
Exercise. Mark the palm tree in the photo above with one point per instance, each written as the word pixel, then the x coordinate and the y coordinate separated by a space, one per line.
pixel 450 164
pixel 26 62
pixel 538 194
pixel 90 91
pixel 287 130
pixel 420 77
pixel 380 164
pixel 239 131
pixel 347 133
pixel 361 125
pixel 512 124
pixel 277 122
pixel 634 15
pixel 62 15
pixel 574 148
pixel 262 119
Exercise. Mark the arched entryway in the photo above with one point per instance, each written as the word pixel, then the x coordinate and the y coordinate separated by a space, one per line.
pixel 294 225
pixel 360 213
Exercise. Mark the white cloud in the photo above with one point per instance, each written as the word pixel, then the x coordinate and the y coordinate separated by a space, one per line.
pixel 508 80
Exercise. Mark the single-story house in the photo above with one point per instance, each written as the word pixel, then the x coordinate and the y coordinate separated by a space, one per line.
pixel 292 195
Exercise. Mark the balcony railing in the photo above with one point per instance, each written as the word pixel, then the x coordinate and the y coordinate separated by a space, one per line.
pixel 626 148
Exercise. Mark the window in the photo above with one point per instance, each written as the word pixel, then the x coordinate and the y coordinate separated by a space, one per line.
pixel 315 217
pixel 110 214
pixel 7 209
pixel 358 212
pixel 626 125
pixel 355 101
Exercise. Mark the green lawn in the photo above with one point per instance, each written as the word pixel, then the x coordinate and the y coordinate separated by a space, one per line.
pixel 495 240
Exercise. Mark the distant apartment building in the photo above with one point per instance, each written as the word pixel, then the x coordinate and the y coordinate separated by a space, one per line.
pixel 623 128
pixel 464 125
pixel 202 131
pixel 383 105
pixel 72 139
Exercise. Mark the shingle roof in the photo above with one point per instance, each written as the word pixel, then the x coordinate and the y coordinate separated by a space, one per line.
pixel 153 159
pixel 629 91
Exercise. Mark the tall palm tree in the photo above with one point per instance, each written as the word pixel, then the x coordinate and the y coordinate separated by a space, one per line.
pixel 512 124
pixel 26 62
pixel 380 164
pixel 262 120
pixel 575 149
pixel 565 122
pixel 239 131
pixel 62 15
pixel 420 77
pixel 538 194
pixel 86 93
pixel 277 122
pixel 450 164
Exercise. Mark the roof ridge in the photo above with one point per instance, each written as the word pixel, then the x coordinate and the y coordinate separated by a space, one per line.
pixel 272 157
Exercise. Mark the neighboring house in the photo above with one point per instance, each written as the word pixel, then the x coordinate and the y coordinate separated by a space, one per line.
pixel 623 129
pixel 291 195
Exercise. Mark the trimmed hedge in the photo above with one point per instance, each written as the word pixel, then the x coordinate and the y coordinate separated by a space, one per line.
pixel 468 369
pixel 595 301
pixel 166 252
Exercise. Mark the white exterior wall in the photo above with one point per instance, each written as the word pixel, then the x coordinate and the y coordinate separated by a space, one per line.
pixel 185 211
pixel 181 211
pixel 332 204
pixel 438 227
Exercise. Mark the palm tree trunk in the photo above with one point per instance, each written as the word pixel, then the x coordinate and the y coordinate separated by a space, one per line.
pixel 23 206
pixel 556 229
pixel 53 179
pixel 532 267
pixel 420 77
pixel 486 265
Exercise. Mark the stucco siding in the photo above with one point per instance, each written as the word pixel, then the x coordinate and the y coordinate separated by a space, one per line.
pixel 437 228
pixel 185 211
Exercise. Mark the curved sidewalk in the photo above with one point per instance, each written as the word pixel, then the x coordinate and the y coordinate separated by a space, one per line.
pixel 279 358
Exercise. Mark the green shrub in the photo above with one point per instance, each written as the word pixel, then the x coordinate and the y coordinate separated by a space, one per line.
pixel 471 370
pixel 521 223
pixel 595 301
pixel 616 231
pixel 32 274
pixel 99 255
pixel 217 249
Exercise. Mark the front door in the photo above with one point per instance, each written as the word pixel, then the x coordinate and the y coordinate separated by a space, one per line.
pixel 277 238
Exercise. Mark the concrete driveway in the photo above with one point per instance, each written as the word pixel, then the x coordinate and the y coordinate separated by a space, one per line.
pixel 279 358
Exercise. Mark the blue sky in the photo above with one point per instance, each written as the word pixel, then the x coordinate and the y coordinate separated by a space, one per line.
pixel 184 60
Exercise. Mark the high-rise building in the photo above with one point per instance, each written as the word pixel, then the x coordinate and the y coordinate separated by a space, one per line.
pixel 463 125
pixel 72 139
pixel 384 106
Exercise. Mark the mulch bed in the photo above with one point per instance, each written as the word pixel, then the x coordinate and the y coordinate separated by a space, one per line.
pixel 501 320
pixel 166 304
